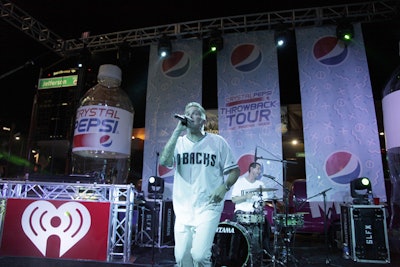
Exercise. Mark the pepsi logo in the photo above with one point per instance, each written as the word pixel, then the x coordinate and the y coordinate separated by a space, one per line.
pixel 341 167
pixel 330 51
pixel 244 163
pixel 246 57
pixel 106 141
pixel 176 65
pixel 166 173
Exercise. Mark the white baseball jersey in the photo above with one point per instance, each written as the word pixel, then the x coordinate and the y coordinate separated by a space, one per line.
pixel 199 170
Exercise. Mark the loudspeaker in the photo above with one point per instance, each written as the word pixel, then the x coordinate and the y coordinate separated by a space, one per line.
pixel 364 230
pixel 156 220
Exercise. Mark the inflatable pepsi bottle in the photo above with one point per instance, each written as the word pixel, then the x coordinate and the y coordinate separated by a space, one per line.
pixel 103 130
pixel 391 123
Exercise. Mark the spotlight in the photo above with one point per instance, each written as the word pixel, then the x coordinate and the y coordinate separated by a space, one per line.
pixel 215 42
pixel 124 54
pixel 164 47
pixel 84 57
pixel 360 188
pixel 156 186
pixel 345 31
pixel 281 35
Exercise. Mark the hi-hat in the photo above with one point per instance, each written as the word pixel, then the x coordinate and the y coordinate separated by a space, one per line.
pixel 256 190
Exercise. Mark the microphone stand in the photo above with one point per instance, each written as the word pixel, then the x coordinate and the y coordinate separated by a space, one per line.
pixel 327 259
pixel 155 214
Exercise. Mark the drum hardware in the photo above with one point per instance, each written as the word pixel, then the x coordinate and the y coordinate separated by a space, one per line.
pixel 140 235
pixel 240 243
pixel 231 246
pixel 323 193
pixel 262 189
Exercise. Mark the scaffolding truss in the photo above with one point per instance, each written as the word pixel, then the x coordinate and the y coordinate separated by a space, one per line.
pixel 120 197
pixel 355 12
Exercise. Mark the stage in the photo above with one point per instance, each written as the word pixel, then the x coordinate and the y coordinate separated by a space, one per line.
pixel 308 249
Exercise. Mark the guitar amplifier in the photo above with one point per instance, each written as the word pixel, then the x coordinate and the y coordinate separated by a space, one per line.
pixel 364 230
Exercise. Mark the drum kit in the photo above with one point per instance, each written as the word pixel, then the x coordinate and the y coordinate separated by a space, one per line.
pixel 240 243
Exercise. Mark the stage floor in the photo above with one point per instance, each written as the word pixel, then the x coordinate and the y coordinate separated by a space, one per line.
pixel 307 250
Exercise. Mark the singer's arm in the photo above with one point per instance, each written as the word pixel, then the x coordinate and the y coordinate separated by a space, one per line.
pixel 167 155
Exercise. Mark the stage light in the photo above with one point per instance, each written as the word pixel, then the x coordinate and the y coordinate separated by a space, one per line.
pixel 155 187
pixel 360 189
pixel 164 47
pixel 124 54
pixel 215 41
pixel 345 31
pixel 84 57
pixel 281 35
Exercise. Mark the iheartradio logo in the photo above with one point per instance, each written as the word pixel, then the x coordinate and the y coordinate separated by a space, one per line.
pixel 70 222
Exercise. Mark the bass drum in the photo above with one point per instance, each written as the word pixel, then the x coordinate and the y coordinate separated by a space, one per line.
pixel 232 246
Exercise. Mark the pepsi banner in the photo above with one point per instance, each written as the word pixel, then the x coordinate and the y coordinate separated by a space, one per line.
pixel 56 229
pixel 249 114
pixel 341 139
pixel 172 83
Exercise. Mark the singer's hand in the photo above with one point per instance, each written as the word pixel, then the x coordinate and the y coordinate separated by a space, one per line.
pixel 218 195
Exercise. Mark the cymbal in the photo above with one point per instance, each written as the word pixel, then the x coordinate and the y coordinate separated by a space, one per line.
pixel 256 190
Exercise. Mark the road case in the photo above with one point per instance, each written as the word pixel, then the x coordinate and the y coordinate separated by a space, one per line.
pixel 364 230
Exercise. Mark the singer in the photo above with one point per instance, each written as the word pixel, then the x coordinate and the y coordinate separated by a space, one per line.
pixel 201 161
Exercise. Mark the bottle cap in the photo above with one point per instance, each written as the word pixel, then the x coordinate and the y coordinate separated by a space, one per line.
pixel 110 71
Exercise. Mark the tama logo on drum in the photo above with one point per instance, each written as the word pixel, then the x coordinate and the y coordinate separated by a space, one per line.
pixel 225 230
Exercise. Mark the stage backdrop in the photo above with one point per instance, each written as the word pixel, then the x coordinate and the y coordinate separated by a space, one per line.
pixel 172 83
pixel 340 129
pixel 249 102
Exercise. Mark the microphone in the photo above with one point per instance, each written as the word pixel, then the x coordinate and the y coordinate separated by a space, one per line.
pixel 255 154
pixel 269 176
pixel 182 118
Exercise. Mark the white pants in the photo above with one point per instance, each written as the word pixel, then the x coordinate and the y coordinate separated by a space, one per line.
pixel 193 243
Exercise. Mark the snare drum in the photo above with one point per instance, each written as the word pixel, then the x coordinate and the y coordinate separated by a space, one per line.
pixel 293 220
pixel 232 245
pixel 249 218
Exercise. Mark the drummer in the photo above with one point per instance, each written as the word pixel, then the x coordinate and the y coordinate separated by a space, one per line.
pixel 246 197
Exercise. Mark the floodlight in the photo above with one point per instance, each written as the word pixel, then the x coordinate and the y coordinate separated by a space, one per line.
pixel 345 31
pixel 156 186
pixel 281 35
pixel 215 42
pixel 164 47
pixel 360 189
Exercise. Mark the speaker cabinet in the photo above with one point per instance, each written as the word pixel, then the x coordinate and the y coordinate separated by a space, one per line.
pixel 156 221
pixel 364 230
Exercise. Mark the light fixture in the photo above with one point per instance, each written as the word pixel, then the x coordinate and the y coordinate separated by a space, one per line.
pixel 360 189
pixel 281 35
pixel 155 187
pixel 345 31
pixel 124 54
pixel 164 47
pixel 215 41
pixel 84 57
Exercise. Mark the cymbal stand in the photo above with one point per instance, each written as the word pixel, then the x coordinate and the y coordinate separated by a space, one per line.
pixel 287 230
pixel 257 230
